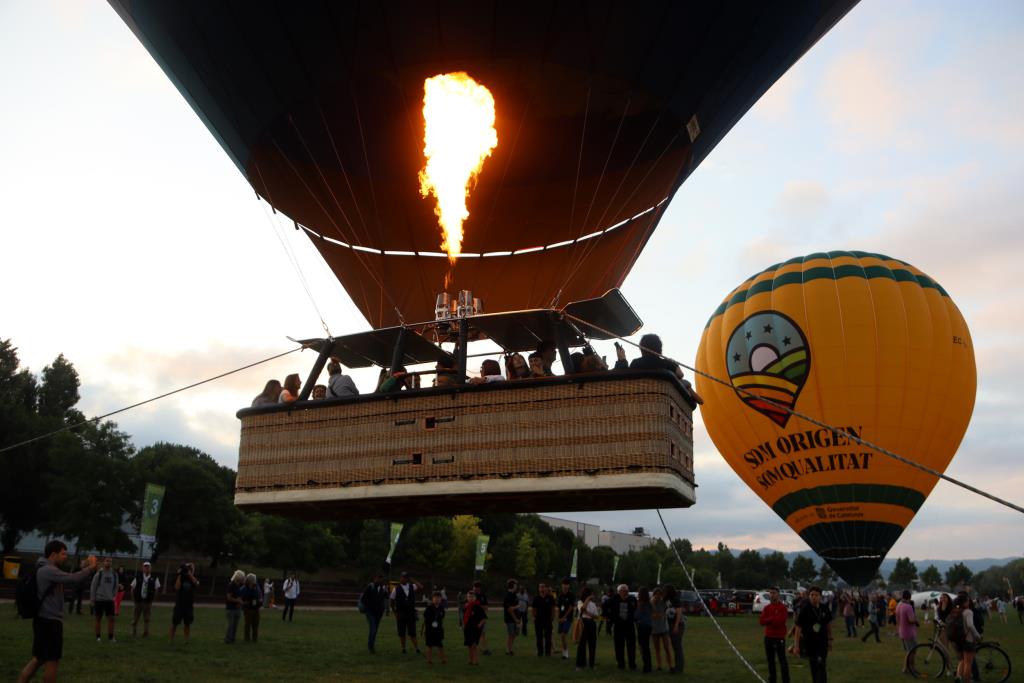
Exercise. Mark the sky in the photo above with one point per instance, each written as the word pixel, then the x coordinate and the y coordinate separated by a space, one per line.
pixel 132 245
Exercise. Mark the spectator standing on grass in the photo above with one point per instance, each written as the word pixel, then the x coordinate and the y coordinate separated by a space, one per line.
pixel 268 593
pixel 589 611
pixel 774 618
pixel 292 589
pixel 102 592
pixel 659 628
pixel 510 613
pixel 566 604
pixel 676 627
pixel 876 615
pixel 122 584
pixel 373 603
pixel 621 609
pixel 543 609
pixel 233 605
pixel 481 596
pixel 48 624
pixel 849 616
pixel 906 624
pixel 813 634
pixel 403 605
pixel 524 608
pixel 252 600
pixel 644 624
pixel 144 589
pixel 474 617
pixel 185 584
pixel 433 628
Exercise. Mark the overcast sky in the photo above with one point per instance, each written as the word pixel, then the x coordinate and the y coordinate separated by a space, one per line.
pixel 133 245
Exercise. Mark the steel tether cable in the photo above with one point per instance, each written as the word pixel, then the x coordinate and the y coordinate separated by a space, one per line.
pixel 816 422
pixel 66 428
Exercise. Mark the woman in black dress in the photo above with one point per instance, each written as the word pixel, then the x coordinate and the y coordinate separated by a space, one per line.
pixel 473 620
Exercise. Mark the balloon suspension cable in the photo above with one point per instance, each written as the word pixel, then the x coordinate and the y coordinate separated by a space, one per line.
pixel 689 578
pixel 818 423
pixel 76 425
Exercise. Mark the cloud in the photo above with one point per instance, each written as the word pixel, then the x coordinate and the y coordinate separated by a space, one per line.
pixel 803 200
pixel 778 103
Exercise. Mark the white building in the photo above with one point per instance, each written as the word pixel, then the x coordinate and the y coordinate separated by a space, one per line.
pixel 591 534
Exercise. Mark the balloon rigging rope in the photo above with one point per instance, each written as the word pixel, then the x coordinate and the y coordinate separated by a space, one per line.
pixel 148 400
pixel 808 418
pixel 689 578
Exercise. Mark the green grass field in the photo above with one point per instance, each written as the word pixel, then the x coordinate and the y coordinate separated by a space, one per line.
pixel 330 645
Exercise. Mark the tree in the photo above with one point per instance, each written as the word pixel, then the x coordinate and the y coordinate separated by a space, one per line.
pixel 374 541
pixel 826 574
pixel 802 569
pixel 428 541
pixel 462 558
pixel 776 568
pixel 526 556
pixel 749 569
pixel 904 573
pixel 958 575
pixel 59 391
pixel 602 558
pixel 725 564
pixel 931 577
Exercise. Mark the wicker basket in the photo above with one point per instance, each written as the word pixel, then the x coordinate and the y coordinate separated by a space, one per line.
pixel 616 440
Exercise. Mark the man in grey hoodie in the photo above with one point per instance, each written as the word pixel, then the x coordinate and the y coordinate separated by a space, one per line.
pixel 48 626
pixel 101 594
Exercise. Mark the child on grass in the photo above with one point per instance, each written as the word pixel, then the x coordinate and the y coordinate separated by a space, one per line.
pixel 433 628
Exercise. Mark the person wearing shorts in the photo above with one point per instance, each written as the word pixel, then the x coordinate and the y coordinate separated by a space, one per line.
pixel 566 604
pixel 48 624
pixel 185 584
pixel 403 604
pixel 102 593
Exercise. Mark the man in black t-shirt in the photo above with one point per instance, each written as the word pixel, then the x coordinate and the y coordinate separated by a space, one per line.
pixel 185 599
pixel 481 596
pixel 814 634
pixel 566 603
pixel 543 612
pixel 510 612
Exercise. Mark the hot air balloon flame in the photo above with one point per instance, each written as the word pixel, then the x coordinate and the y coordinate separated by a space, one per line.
pixel 459 134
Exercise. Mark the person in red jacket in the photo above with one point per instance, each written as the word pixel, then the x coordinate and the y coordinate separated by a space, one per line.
pixel 774 618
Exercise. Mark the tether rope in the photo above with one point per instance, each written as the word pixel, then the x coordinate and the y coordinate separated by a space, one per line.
pixel 142 403
pixel 689 577
pixel 819 423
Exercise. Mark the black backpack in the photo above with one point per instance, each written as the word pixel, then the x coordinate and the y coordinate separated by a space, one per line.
pixel 26 596
pixel 955 631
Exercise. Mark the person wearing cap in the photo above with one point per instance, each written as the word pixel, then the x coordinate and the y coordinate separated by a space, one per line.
pixel 144 589
pixel 403 605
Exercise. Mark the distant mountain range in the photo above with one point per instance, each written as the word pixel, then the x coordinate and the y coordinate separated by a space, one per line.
pixel 975 565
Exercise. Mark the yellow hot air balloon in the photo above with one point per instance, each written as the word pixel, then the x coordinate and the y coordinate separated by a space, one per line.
pixel 862 342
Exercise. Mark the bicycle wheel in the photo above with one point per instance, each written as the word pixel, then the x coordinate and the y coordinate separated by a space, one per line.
pixel 993 663
pixel 926 661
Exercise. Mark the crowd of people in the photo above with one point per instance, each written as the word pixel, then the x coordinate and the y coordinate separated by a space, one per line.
pixel 537 365
pixel 561 620
pixel 647 626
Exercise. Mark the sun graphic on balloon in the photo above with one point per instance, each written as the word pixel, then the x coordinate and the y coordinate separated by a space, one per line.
pixel 768 361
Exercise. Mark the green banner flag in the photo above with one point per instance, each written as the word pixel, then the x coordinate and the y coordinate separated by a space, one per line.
pixel 154 500
pixel 615 567
pixel 481 551
pixel 658 582
pixel 575 556
pixel 396 531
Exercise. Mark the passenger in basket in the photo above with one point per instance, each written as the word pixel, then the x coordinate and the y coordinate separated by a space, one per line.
pixel 490 371
pixel 516 367
pixel 537 366
pixel 447 372
pixel 396 381
pixel 591 362
pixel 548 353
pixel 290 392
pixel 651 359
pixel 339 385
pixel 319 392
pixel 269 395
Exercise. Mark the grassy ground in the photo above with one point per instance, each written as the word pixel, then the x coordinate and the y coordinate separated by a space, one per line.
pixel 331 645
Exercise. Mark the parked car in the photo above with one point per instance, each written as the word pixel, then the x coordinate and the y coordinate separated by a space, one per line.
pixel 690 602
pixel 761 598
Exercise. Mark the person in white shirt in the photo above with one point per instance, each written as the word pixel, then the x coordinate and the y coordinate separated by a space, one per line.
pixel 268 592
pixel 144 589
pixel 291 589
pixel 490 372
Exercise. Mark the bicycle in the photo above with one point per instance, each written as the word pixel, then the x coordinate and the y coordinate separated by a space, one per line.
pixel 931 660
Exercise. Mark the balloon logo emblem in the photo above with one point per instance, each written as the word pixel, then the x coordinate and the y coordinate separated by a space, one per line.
pixel 768 361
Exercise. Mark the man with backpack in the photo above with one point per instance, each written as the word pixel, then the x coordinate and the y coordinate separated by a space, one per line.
pixel 101 594
pixel 41 598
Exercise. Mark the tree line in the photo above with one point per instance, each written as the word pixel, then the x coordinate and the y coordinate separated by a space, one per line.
pixel 86 485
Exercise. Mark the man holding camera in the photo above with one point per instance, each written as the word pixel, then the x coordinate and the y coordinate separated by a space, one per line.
pixel 185 584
